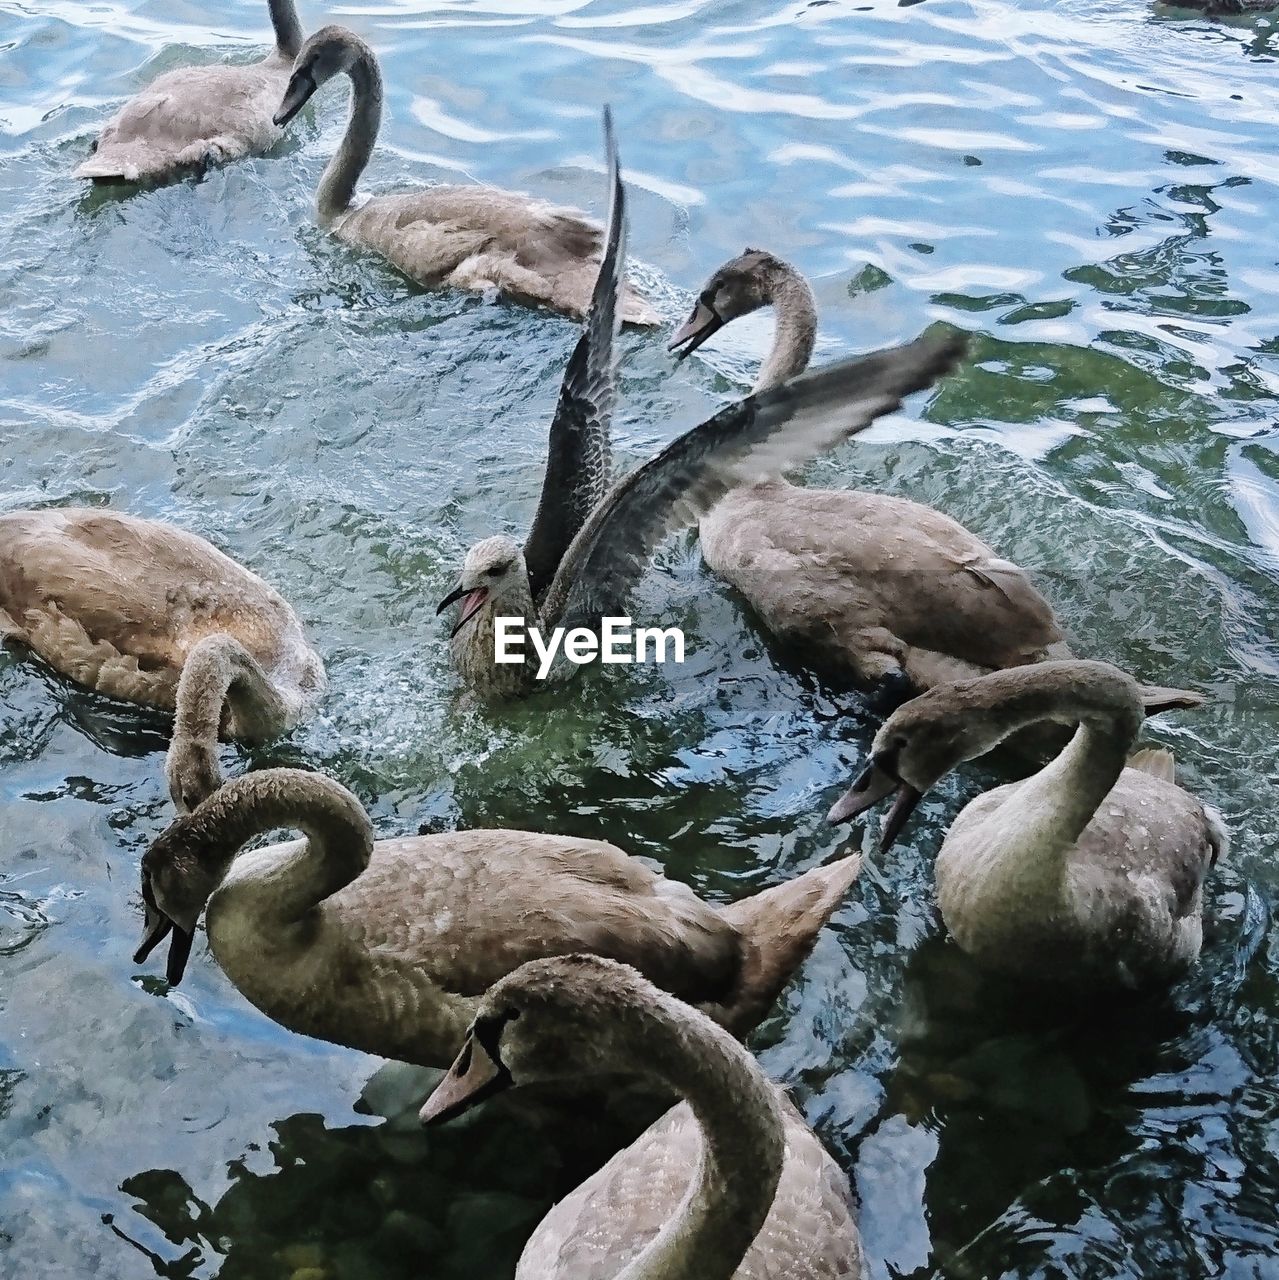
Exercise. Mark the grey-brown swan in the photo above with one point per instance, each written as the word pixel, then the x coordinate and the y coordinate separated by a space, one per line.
pixel 145 611
pixel 188 119
pixel 1090 872
pixel 385 946
pixel 730 1184
pixel 468 237
pixel 891 592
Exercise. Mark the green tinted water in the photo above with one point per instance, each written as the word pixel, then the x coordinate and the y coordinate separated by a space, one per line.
pixel 1088 187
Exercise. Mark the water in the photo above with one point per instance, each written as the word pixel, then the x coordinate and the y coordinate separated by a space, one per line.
pixel 1088 187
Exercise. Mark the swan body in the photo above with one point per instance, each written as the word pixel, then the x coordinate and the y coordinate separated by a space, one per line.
pixel 386 946
pixel 1091 871
pixel 730 1184
pixel 883 588
pixel 147 612
pixel 467 237
pixel 188 119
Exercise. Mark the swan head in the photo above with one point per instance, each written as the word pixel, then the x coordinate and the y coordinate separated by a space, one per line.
pixel 915 747
pixel 178 878
pixel 192 772
pixel 329 52
pixel 742 285
pixel 495 577
pixel 555 1019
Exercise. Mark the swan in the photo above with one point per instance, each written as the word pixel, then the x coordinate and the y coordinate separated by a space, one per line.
pixel 386 946
pixel 886 590
pixel 1090 871
pixel 470 237
pixel 194 117
pixel 730 1184
pixel 590 542
pixel 145 611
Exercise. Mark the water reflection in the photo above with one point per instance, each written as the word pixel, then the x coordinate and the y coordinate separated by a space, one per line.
pixel 324 1201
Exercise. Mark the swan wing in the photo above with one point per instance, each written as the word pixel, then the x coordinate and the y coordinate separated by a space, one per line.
pixel 754 439
pixel 579 453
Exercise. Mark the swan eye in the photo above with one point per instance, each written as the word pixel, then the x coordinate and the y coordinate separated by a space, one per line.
pixel 496 571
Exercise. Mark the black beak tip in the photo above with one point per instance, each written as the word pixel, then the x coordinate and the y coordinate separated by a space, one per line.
pixel 179 953
pixel 452 598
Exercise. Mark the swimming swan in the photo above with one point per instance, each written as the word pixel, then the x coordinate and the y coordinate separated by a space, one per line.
pixel 1090 871
pixel 148 612
pixel 470 237
pixel 730 1184
pixel 591 542
pixel 893 593
pixel 198 116
pixel 386 946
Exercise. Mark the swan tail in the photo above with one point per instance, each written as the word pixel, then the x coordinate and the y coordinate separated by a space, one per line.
pixel 1156 762
pixel 1156 699
pixel 779 927
pixel 637 311
pixel 1218 834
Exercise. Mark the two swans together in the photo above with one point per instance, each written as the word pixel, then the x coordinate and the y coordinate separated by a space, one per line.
pixel 476 238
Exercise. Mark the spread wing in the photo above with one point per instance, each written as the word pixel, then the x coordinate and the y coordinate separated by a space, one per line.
pixel 759 437
pixel 579 456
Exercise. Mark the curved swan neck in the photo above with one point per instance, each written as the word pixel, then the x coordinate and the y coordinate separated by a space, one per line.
pixel 218 671
pixel 337 186
pixel 796 334
pixel 288 30
pixel 743 1143
pixel 1102 701
pixel 339 835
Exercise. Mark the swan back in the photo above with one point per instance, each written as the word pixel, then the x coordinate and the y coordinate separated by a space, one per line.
pixel 191 118
pixel 117 603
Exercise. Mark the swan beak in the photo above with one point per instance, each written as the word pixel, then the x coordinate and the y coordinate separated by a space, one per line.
pixel 158 926
pixel 154 931
pixel 474 1076
pixel 704 322
pixel 873 785
pixel 179 954
pixel 298 93
pixel 472 599
pixel 907 798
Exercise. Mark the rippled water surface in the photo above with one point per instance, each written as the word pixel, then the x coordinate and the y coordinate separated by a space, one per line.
pixel 1088 187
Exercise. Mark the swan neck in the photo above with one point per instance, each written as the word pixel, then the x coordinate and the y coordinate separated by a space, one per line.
pixel 288 29
pixel 1105 706
pixel 220 673
pixel 337 186
pixel 338 834
pixel 796 332
pixel 743 1146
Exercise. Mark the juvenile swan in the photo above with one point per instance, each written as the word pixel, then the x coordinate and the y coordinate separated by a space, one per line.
pixel 470 237
pixel 895 594
pixel 591 543
pixel 385 946
pixel 730 1184
pixel 144 611
pixel 1091 871
pixel 198 116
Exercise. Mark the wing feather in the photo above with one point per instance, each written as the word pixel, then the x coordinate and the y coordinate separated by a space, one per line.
pixel 579 453
pixel 759 437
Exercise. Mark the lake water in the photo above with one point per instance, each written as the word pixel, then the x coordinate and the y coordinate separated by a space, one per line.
pixel 1089 187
